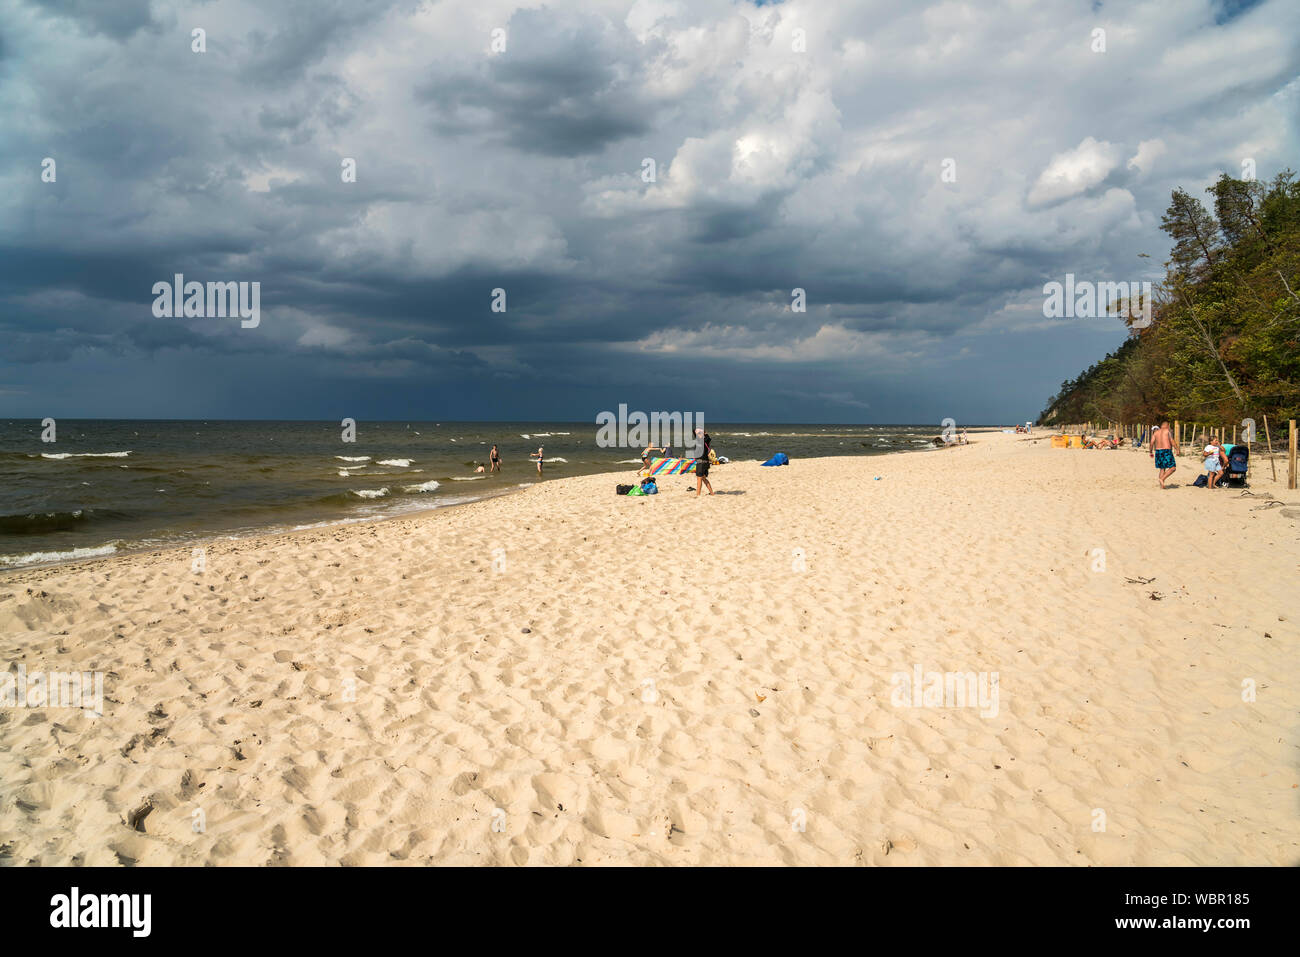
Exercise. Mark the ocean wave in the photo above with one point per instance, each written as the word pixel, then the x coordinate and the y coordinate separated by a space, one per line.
pixel 428 486
pixel 370 492
pixel 467 478
pixel 353 458
pixel 84 455
pixel 37 558
pixel 40 523
pixel 36 523
pixel 402 463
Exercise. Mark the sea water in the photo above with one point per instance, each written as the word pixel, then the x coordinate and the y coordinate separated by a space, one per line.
pixel 106 486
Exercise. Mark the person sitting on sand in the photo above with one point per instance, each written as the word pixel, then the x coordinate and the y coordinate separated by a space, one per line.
pixel 1215 460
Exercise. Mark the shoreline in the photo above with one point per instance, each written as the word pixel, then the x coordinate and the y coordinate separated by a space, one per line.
pixel 204 539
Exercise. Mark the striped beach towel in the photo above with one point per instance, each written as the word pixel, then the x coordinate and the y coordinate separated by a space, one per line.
pixel 661 466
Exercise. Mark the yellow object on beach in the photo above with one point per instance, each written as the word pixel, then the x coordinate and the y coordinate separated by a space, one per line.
pixel 1076 441
pixel 1060 441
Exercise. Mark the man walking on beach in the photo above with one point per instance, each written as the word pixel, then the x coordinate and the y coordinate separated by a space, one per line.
pixel 1163 449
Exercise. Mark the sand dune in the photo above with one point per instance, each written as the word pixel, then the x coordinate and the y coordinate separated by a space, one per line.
pixel 562 676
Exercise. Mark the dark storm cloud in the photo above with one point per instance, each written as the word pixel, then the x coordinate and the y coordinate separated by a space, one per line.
pixel 523 170
pixel 568 85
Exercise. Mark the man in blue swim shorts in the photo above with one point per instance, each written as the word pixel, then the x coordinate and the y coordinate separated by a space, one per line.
pixel 1163 447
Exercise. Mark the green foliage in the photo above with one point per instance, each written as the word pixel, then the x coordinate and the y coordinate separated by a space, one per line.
pixel 1224 343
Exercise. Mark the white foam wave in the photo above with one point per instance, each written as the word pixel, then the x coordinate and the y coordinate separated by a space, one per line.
pixel 84 455
pixel 402 463
pixel 428 486
pixel 370 492
pixel 353 458
pixel 36 558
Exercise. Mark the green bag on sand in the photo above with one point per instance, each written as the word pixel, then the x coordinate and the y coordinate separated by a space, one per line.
pixel 637 491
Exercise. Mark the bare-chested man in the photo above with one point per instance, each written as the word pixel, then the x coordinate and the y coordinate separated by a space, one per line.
pixel 1163 448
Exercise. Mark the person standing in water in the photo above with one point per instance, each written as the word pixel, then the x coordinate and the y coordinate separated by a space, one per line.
pixel 704 442
pixel 1162 448
pixel 494 458
pixel 538 456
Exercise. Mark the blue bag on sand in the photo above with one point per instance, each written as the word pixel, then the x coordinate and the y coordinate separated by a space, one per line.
pixel 1201 481
pixel 650 488
pixel 779 459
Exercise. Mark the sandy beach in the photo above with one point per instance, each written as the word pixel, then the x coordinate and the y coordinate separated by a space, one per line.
pixel 564 676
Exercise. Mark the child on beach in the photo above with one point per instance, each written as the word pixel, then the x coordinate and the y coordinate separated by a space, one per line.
pixel 1215 460
pixel 645 454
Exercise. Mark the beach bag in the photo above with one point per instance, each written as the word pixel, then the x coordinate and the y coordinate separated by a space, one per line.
pixel 636 490
pixel 1201 481
pixel 622 489
pixel 650 488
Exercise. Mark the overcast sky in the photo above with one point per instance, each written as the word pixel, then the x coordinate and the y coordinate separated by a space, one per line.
pixel 776 167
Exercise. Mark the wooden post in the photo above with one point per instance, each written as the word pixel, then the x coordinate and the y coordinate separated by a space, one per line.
pixel 1291 476
pixel 1178 434
pixel 1269 439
